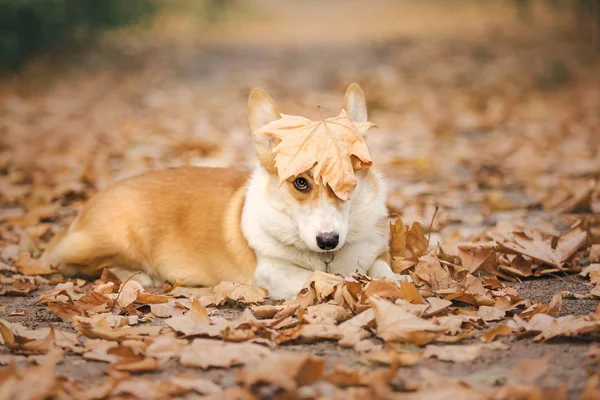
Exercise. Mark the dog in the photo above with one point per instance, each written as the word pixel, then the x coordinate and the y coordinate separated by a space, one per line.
pixel 201 226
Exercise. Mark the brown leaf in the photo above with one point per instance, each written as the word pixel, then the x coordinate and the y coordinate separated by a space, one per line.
pixel 197 322
pixel 334 148
pixel 37 382
pixel 238 292
pixel 490 313
pixel 205 353
pixel 64 311
pixel 326 314
pixel 144 365
pixel 28 266
pixel 188 383
pixel 591 392
pixel 85 327
pixel 396 324
pixel 460 353
pixel 284 371
pixel 409 292
pixel 494 333
pixel 406 246
pixel 527 371
pixel 595 253
pixel 128 292
pixel 149 298
pixel 476 257
pixel 535 245
pixel 20 287
pixel 399 359
pixel 275 312
pixel 22 345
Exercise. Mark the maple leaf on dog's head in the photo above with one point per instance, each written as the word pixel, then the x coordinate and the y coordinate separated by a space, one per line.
pixel 334 148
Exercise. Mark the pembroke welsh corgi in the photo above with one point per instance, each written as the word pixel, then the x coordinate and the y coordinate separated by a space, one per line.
pixel 202 226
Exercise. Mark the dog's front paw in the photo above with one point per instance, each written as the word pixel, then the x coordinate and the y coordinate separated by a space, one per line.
pixel 279 294
pixel 400 278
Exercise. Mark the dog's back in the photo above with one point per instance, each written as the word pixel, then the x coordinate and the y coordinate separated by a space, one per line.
pixel 180 219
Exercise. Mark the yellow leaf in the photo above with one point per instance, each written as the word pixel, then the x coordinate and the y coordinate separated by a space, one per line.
pixel 394 323
pixel 333 147
pixel 239 292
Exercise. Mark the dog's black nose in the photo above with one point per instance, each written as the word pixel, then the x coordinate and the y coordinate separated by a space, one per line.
pixel 328 240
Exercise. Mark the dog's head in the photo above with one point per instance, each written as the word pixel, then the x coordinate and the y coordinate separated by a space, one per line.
pixel 319 215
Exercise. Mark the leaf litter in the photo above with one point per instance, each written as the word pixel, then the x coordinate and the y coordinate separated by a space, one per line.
pixel 458 308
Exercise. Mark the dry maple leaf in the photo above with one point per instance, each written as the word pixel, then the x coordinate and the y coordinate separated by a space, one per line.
pixel 28 266
pixel 406 245
pixel 318 287
pixel 36 382
pixel 490 313
pixel 197 322
pixel 535 245
pixel 239 292
pixel 23 345
pixel 334 148
pixel 284 371
pixel 394 323
pixel 206 353
pixel 494 333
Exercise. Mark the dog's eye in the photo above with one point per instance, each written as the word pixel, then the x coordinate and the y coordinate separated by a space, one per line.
pixel 301 184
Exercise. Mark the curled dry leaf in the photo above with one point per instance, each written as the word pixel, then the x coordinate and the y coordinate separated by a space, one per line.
pixel 460 353
pixel 274 312
pixel 490 313
pixel 205 353
pixel 326 314
pixel 28 266
pixel 334 148
pixel 406 245
pixel 196 322
pixel 540 247
pixel 128 292
pixel 346 376
pixel 496 332
pixel 86 327
pixel 239 292
pixel 394 323
pixel 319 287
pixel 23 345
pixel 35 382
pixel 400 359
pixel 285 372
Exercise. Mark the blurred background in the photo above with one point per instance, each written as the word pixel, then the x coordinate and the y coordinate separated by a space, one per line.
pixel 488 109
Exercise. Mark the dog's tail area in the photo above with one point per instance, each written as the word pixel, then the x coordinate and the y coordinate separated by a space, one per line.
pixel 75 253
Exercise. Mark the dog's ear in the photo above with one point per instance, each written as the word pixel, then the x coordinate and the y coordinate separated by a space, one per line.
pixel 262 110
pixel 355 104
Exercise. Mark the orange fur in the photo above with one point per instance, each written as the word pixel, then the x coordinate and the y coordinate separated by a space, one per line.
pixel 179 223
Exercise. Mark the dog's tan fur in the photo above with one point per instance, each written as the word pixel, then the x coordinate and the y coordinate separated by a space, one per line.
pixel 166 224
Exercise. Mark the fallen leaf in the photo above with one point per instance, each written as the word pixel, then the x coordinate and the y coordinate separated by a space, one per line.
pixel 460 353
pixel 28 266
pixel 22 345
pixel 334 148
pixel 396 324
pixel 238 292
pixel 205 353
pixel 284 371
pixel 494 333
pixel 490 313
